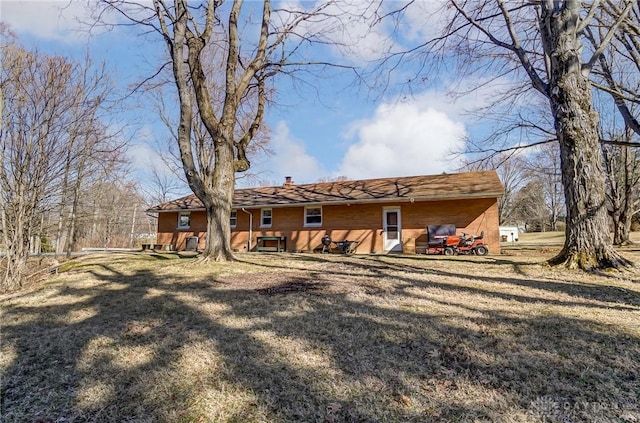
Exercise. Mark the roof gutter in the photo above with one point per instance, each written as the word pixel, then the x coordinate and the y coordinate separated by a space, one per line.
pixel 496 194
pixel 376 200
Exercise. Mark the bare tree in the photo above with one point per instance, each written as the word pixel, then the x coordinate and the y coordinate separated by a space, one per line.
pixel 529 207
pixel 543 166
pixel 37 97
pixel 163 185
pixel 89 146
pixel 512 175
pixel 616 72
pixel 110 216
pixel 168 176
pixel 54 139
pixel 541 47
pixel 623 179
pixel 251 55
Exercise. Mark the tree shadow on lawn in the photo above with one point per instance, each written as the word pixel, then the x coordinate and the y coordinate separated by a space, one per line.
pixel 144 347
pixel 608 297
pixel 584 289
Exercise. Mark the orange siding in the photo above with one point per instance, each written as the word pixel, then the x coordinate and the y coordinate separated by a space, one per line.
pixel 361 222
pixel 168 232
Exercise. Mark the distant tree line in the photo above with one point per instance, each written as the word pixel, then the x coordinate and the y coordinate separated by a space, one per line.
pixel 63 179
pixel 534 198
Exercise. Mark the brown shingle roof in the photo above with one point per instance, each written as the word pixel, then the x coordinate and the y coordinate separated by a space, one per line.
pixel 429 187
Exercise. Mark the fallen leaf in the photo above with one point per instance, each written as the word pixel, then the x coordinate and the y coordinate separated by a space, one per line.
pixel 405 400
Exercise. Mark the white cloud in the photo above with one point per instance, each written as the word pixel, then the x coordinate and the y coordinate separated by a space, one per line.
pixel 155 179
pixel 68 21
pixel 54 19
pixel 290 158
pixel 347 27
pixel 424 20
pixel 145 158
pixel 417 135
pixel 364 32
pixel 403 139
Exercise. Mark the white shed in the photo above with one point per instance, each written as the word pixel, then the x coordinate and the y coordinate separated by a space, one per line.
pixel 508 233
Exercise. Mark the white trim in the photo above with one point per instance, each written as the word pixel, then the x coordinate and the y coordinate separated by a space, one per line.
pixel 236 213
pixel 385 241
pixel 184 213
pixel 262 224
pixel 312 225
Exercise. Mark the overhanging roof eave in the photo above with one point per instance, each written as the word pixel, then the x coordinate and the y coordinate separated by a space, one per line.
pixel 174 210
pixel 374 200
pixel 495 194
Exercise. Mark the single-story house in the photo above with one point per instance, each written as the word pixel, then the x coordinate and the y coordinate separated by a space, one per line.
pixel 384 215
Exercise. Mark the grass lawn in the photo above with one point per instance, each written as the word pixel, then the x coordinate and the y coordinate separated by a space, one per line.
pixel 557 237
pixel 322 338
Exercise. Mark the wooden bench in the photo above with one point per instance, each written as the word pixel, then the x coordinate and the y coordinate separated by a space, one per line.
pixel 167 247
pixel 280 241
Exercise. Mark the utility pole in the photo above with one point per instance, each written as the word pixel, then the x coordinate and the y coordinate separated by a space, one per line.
pixel 133 224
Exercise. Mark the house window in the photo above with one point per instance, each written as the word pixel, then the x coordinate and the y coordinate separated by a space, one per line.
pixel 234 218
pixel 184 220
pixel 265 218
pixel 313 216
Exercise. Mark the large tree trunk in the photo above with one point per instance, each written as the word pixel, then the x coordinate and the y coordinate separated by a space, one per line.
pixel 621 230
pixel 63 201
pixel 218 202
pixel 218 237
pixel 16 256
pixel 210 169
pixel 587 243
pixel 622 172
pixel 73 216
pixel 621 214
pixel 213 187
pixel 15 218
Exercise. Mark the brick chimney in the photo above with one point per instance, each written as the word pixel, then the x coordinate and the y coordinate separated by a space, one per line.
pixel 287 181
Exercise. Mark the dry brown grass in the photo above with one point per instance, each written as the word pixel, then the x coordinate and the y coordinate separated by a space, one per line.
pixel 557 237
pixel 322 338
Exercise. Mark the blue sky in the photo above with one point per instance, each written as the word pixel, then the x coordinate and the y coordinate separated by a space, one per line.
pixel 350 132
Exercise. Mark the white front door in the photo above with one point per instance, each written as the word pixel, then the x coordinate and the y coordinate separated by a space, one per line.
pixel 391 230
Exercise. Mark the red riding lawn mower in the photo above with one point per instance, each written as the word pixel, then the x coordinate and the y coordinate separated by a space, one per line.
pixel 442 239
